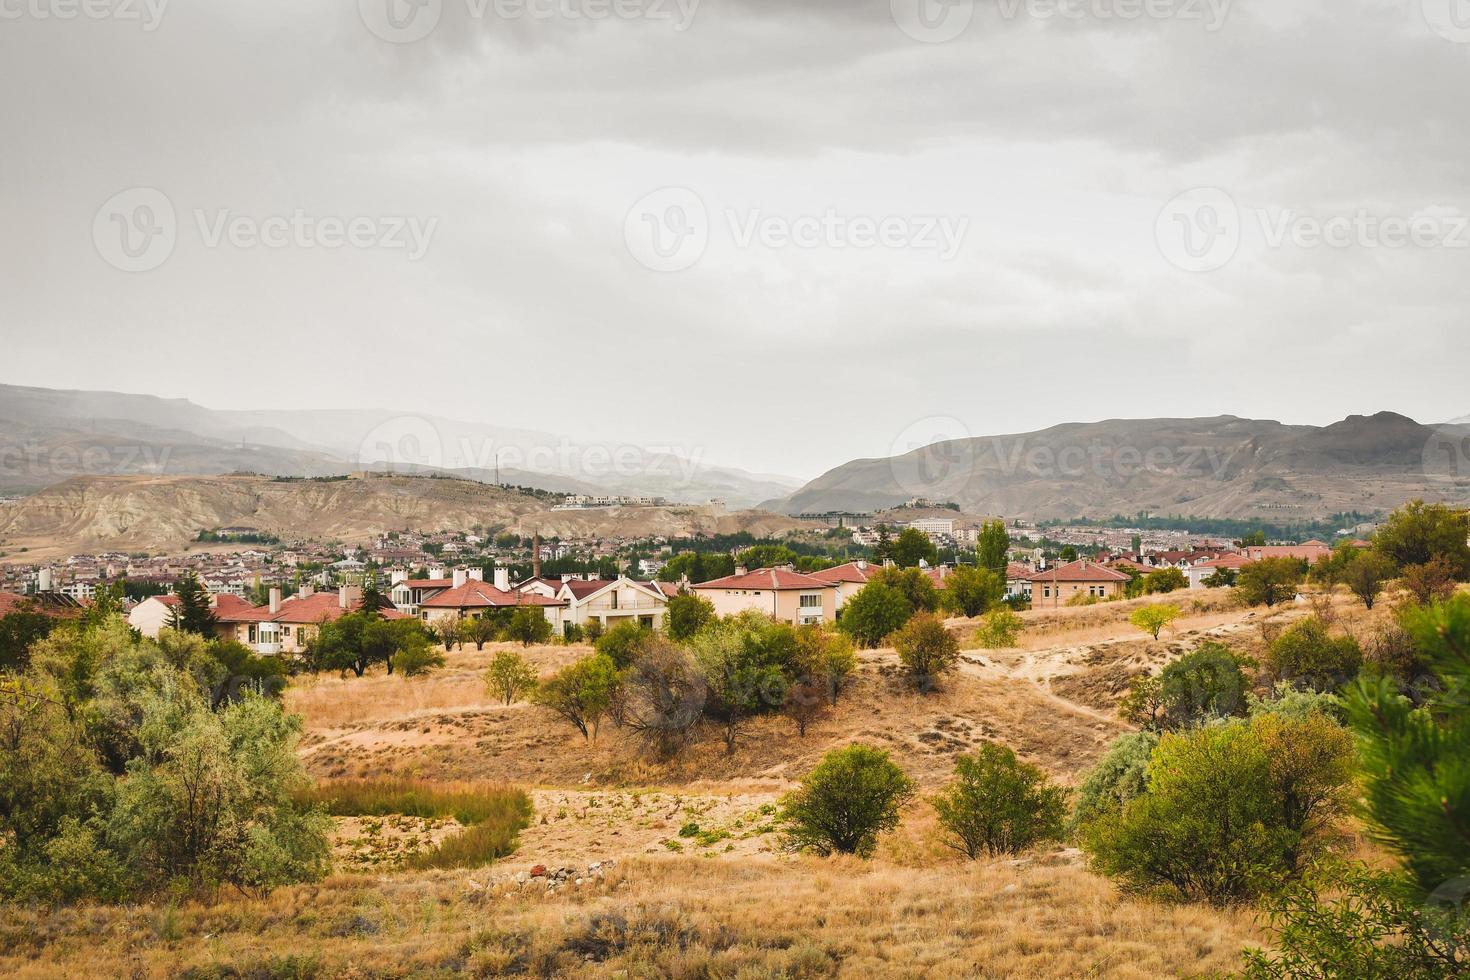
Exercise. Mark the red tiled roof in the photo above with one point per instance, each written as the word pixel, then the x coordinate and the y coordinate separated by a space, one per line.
pixel 582 588
pixel 775 579
pixel 319 607
pixel 669 589
pixel 475 594
pixel 859 572
pixel 1082 570
pixel 1017 571
pixel 1226 561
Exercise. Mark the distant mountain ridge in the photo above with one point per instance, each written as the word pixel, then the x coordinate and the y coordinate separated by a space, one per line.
pixel 1208 467
pixel 49 435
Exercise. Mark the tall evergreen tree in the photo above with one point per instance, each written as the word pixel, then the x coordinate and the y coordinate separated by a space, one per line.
pixel 990 550
pixel 193 614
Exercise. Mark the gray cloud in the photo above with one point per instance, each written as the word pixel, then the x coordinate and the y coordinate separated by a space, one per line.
pixel 528 140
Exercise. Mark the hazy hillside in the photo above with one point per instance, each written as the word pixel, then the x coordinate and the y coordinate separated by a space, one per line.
pixel 47 436
pixel 165 513
pixel 1218 467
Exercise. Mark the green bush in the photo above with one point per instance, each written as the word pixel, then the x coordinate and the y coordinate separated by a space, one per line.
pixel 927 649
pixel 1118 778
pixel 1231 811
pixel 1000 629
pixel 117 780
pixel 1208 682
pixel 875 612
pixel 510 676
pixel 417 658
pixel 972 591
pixel 1308 655
pixel 686 615
pixel 852 796
pixel 998 805
pixel 623 643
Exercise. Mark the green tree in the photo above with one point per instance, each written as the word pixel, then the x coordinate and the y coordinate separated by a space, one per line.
pixel 1208 682
pixel 581 693
pixel 998 805
pixel 623 643
pixel 528 625
pixel 823 658
pixel 875 612
pixel 699 566
pixel 1153 618
pixel 416 658
pixel 766 556
pixel 917 587
pixel 1067 554
pixel 19 629
pixel 192 613
pixel 927 650
pixel 1418 532
pixel 1431 581
pixel 1366 574
pixel 853 795
pixel 1308 655
pixel 1221 578
pixel 1408 922
pixel 747 663
pixel 913 546
pixel 1118 778
pixel 1416 761
pixel 1162 580
pixel 1000 629
pixel 480 630
pixel 1269 581
pixel 991 548
pixel 510 676
pixel 686 615
pixel 973 591
pixel 1230 812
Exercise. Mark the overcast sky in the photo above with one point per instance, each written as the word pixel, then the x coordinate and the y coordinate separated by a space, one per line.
pixel 783 234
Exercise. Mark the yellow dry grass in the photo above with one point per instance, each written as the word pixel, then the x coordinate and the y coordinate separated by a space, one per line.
pixel 673 917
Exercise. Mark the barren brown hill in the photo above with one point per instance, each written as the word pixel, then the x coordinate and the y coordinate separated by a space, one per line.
pixel 139 513
pixel 1208 467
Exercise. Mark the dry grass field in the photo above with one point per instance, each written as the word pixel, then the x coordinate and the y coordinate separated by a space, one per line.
pixel 675 868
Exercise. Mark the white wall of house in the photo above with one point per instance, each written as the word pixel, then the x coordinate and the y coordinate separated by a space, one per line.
pixel 149 616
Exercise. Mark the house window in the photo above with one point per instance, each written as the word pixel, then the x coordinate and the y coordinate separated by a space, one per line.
pixel 614 598
pixel 811 601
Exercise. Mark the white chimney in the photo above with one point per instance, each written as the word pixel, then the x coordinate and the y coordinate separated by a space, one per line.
pixel 43 580
pixel 398 576
pixel 502 579
pixel 460 578
pixel 862 564
pixel 275 601
pixel 436 572
pixel 477 574
pixel 741 570
pixel 342 597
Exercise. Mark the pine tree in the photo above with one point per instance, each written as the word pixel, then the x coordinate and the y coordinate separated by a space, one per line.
pixel 193 613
